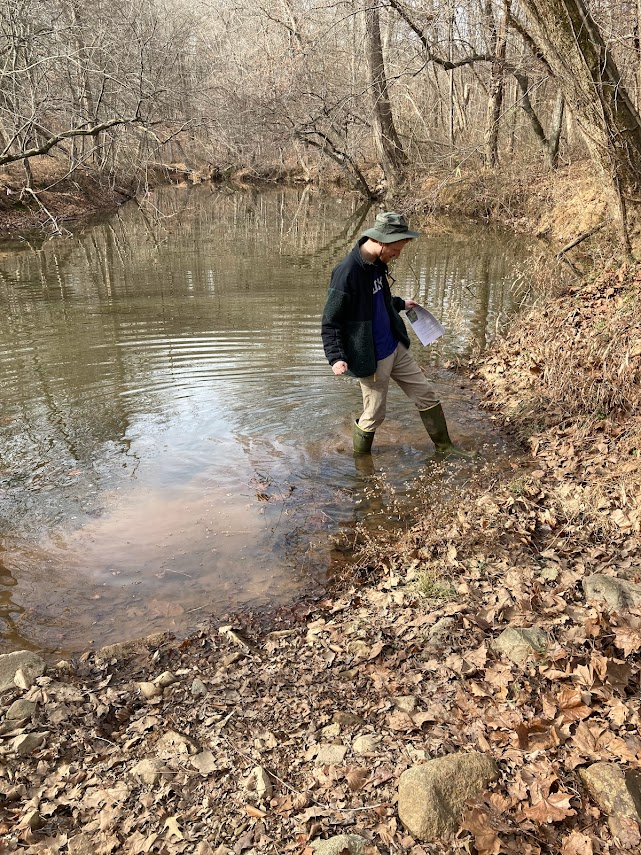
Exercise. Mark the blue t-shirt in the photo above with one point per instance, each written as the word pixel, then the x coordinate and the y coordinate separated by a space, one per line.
pixel 384 340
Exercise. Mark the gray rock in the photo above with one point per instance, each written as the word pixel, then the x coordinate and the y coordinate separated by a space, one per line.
pixel 174 743
pixel 149 690
pixel 520 643
pixel 365 744
pixel 330 755
pixel 29 663
pixel 260 782
pixel 618 594
pixel 205 762
pixel 405 703
pixel 617 792
pixel 347 719
pixel 431 797
pixel 353 843
pixel 198 688
pixel 150 770
pixel 125 649
pixel 441 629
pixel 165 679
pixel 20 710
pixel 29 742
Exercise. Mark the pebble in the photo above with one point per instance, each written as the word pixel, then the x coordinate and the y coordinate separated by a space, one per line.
pixel 149 690
pixel 20 710
pixel 198 688
pixel 28 742
pixel 330 755
pixel 166 679
pixel 149 770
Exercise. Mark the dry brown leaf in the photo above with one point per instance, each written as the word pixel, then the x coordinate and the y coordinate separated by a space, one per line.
pixel 571 705
pixel 553 808
pixel 628 640
pixel 171 824
pixel 486 838
pixel 357 778
pixel 577 843
pixel 250 810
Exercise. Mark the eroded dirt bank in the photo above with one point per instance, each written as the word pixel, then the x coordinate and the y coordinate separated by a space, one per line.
pixel 507 622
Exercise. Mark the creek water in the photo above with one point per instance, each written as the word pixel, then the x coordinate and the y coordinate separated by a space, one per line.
pixel 173 443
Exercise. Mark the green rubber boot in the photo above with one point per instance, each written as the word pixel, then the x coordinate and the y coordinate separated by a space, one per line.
pixel 436 426
pixel 363 439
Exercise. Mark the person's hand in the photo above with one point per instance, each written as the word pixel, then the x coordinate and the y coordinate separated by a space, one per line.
pixel 339 368
pixel 410 304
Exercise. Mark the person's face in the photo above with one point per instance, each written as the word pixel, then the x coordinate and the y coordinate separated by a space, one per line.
pixel 390 251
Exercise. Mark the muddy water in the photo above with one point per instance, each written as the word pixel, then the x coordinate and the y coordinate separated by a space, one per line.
pixel 173 443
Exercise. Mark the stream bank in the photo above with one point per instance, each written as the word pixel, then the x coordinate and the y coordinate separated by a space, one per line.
pixel 505 622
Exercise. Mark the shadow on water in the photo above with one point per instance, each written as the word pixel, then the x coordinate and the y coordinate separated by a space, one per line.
pixel 173 441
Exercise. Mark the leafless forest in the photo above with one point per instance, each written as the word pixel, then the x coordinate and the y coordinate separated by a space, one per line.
pixel 378 91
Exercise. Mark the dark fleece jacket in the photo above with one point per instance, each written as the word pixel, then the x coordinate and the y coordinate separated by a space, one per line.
pixel 347 320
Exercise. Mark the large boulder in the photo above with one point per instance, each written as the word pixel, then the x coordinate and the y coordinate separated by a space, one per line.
pixel 29 663
pixel 618 594
pixel 617 792
pixel 431 797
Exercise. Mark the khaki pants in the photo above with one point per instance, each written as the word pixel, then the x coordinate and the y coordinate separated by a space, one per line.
pixel 401 367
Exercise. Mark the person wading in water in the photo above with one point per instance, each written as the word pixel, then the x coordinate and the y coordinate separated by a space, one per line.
pixel 363 334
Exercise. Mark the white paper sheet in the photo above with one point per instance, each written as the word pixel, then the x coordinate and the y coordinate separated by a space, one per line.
pixel 424 324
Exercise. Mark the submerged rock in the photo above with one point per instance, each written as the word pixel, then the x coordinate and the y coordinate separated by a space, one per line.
pixel 431 797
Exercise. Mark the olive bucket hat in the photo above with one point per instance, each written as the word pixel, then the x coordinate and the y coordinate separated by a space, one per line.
pixel 389 227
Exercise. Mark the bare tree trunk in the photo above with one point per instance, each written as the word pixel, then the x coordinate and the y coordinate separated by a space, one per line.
pixel 556 126
pixel 574 48
pixel 390 150
pixel 495 100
